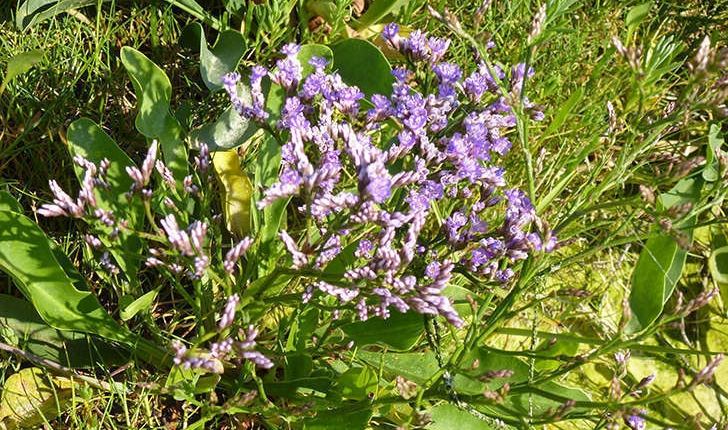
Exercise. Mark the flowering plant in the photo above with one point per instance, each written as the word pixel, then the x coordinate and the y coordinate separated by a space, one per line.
pixel 368 247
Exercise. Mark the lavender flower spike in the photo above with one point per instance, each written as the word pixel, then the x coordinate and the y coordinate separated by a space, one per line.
pixel 235 253
pixel 228 316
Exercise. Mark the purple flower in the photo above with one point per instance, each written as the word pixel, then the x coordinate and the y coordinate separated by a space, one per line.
pixel 447 73
pixel 438 48
pixel 415 47
pixel 228 315
pixel 635 421
pixel 433 269
pixel 390 32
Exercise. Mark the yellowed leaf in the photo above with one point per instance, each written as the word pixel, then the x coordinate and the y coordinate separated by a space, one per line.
pixel 236 192
pixel 31 397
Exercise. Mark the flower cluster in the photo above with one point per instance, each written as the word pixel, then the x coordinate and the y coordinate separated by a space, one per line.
pixel 405 193
pixel 177 251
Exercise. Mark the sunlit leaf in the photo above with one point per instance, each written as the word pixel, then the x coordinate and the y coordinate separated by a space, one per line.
pixel 32 397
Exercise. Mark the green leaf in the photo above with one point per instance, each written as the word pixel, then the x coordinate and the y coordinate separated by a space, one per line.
pixel 313 50
pixel 417 367
pixel 718 265
pixel 711 171
pixel 32 12
pixel 635 16
pixel 302 329
pixel 68 348
pixel 128 307
pixel 400 331
pixel 377 10
pixel 26 254
pixel 222 58
pixel 19 64
pixel 362 64
pixel 230 130
pixel 565 111
pixel 354 416
pixel 88 140
pixel 660 263
pixel 653 276
pixel 196 10
pixel 297 366
pixel 8 203
pixel 447 416
pixel 154 119
pixel 357 383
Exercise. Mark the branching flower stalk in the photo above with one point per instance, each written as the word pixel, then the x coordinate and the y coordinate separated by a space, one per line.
pixel 410 162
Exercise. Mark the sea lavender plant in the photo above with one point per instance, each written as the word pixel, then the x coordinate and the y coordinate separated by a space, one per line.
pixel 406 193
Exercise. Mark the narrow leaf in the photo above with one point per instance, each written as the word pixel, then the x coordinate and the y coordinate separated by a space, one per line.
pixel 377 10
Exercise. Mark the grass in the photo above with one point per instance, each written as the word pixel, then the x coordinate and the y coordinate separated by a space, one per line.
pixel 586 164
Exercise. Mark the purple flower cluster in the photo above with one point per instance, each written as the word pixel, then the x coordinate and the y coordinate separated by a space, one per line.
pixel 412 184
pixel 226 350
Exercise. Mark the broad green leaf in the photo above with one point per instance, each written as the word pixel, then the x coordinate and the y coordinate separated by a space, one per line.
pixel 88 140
pixel 313 50
pixel 377 10
pixel 302 329
pixel 68 348
pixel 362 64
pixel 19 64
pixel 400 331
pixel 28 257
pixel 718 265
pixel 154 119
pixel 660 263
pixel 417 367
pixel 357 383
pixel 8 203
pixel 222 58
pixel 269 220
pixel 653 276
pixel 129 307
pixel 354 416
pixel 635 16
pixel 230 130
pixel 33 12
pixel 236 191
pixel 31 397
pixel 297 366
pixel 447 416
